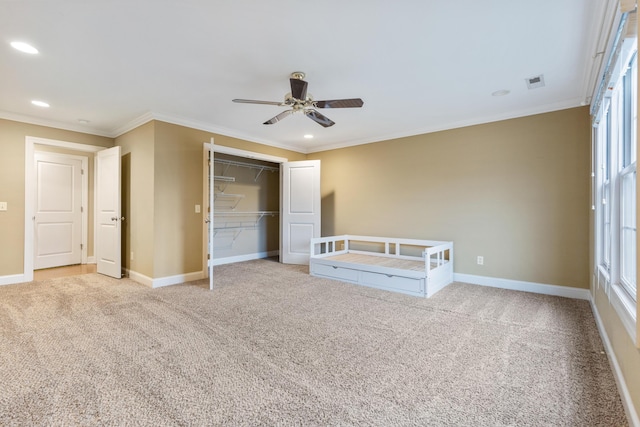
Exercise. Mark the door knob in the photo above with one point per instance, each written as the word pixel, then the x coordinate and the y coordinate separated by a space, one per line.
pixel 114 218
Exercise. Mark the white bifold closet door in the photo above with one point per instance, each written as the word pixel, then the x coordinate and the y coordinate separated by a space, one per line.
pixel 300 209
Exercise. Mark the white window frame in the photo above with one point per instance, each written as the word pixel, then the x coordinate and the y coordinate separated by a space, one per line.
pixel 615 214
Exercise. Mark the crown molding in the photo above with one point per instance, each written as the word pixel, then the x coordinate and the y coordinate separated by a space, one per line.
pixel 195 124
pixel 577 102
pixel 132 124
pixel 53 124
pixel 207 127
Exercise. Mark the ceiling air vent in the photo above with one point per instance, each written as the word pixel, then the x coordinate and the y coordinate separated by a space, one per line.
pixel 535 82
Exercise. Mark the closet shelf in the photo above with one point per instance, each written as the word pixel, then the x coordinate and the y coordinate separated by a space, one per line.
pixel 239 220
pixel 259 168
pixel 225 180
pixel 230 201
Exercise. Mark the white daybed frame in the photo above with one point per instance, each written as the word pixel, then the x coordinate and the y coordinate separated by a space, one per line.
pixel 414 267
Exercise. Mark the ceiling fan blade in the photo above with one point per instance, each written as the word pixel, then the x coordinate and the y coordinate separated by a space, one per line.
pixel 252 101
pixel 319 118
pixel 340 103
pixel 298 89
pixel 279 117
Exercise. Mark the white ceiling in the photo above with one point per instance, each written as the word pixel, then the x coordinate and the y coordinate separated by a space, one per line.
pixel 419 65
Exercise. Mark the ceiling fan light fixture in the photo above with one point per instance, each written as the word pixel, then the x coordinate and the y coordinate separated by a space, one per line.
pixel 308 136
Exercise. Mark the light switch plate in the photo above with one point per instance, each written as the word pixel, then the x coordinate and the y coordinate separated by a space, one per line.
pixel 197 208
pixel 3 206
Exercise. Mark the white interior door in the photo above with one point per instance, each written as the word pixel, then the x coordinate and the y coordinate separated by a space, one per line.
pixel 300 209
pixel 210 217
pixel 207 202
pixel 108 213
pixel 58 211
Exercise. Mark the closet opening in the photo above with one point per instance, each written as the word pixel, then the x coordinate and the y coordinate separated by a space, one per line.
pixel 257 206
pixel 246 209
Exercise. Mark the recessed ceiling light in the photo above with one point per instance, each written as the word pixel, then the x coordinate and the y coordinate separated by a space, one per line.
pixel 308 136
pixel 501 92
pixel 40 103
pixel 24 47
pixel 84 121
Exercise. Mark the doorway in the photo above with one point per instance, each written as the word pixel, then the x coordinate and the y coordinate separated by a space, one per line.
pixel 242 217
pixel 70 270
pixel 298 204
pixel 32 145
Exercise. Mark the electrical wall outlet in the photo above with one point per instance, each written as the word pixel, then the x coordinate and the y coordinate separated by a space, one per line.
pixel 131 256
pixel 3 206
pixel 197 208
pixel 480 260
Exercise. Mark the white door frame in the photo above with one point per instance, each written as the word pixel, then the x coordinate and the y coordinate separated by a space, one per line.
pixel 207 264
pixel 29 189
pixel 84 179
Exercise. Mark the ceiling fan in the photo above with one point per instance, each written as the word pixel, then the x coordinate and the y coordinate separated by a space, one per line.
pixel 301 101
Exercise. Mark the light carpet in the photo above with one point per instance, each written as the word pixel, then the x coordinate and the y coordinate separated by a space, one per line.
pixel 272 345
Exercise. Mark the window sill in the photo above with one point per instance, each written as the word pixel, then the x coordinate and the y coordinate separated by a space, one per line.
pixel 626 309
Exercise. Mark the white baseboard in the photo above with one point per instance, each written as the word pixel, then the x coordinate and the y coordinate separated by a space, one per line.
pixel 627 402
pixel 240 258
pixel 91 260
pixel 138 277
pixel 164 281
pixel 517 285
pixel 177 279
pixel 13 279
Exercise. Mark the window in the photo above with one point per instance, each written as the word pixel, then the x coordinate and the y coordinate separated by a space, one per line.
pixel 615 154
pixel 606 193
pixel 628 181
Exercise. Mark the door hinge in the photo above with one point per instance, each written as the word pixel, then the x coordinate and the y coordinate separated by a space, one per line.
pixel 81 171
pixel 81 209
pixel 81 246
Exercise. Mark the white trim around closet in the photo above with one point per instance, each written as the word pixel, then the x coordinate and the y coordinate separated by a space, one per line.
pixel 246 154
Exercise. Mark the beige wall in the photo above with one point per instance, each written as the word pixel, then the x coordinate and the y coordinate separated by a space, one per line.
pixel 178 188
pixel 515 192
pixel 137 151
pixel 12 174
